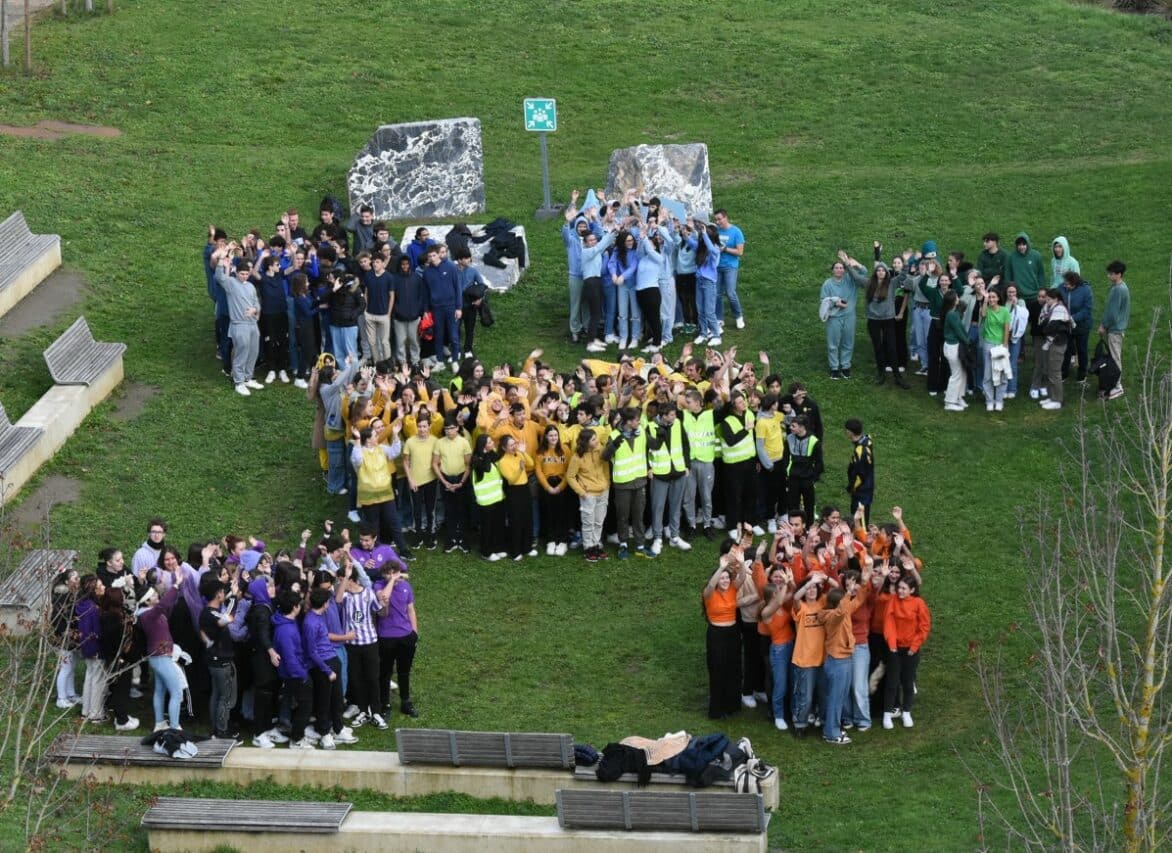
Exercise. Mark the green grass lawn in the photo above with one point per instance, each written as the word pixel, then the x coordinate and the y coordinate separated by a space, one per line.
pixel 829 124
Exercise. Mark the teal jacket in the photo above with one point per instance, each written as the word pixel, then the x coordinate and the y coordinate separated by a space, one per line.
pixel 1058 266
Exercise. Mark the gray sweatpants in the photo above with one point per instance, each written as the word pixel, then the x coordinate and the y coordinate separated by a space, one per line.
pixel 407 341
pixel 245 350
pixel 667 494
pixel 702 480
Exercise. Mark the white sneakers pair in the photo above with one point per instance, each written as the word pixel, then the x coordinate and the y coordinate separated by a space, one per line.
pixel 272 375
pixel 269 739
pixel 905 718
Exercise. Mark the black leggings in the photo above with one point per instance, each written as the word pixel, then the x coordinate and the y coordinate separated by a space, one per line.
pixel 752 664
pixel 519 506
pixel 937 366
pixel 423 503
pixel 395 656
pixel 264 682
pixel 492 528
pixel 274 332
pixel 801 496
pixel 307 338
pixel 455 509
pixel 739 493
pixel 686 294
pixel 119 686
pixel 592 297
pixel 882 334
pixel 901 304
pixel 327 698
pixel 469 318
pixel 363 665
pixel 556 514
pixel 300 693
pixel 900 676
pixel 649 299
pixel 724 670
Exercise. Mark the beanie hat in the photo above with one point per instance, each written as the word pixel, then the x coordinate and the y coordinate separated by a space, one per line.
pixel 928 249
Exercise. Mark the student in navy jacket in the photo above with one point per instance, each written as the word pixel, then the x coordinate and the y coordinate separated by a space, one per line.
pixel 445 294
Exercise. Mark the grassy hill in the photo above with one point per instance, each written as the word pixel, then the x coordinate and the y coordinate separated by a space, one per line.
pixel 829 124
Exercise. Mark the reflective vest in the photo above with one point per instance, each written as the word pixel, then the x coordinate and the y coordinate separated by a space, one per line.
pixel 701 430
pixel 374 477
pixel 630 460
pixel 669 456
pixel 490 488
pixel 744 449
pixel 801 456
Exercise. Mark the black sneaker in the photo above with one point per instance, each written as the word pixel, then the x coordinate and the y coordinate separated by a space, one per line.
pixel 432 544
pixel 834 374
pixel 846 373
pixel 708 534
pixel 407 554
pixel 452 548
pixel 409 710
pixel 841 740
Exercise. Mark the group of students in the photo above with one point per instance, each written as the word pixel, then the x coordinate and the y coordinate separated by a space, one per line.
pixel 640 452
pixel 639 275
pixel 282 300
pixel 823 624
pixel 266 640
pixel 969 321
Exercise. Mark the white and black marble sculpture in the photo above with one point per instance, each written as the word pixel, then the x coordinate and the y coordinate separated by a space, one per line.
pixel 670 171
pixel 499 279
pixel 420 170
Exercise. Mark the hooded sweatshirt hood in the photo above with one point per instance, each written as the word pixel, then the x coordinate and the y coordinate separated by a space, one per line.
pixel 1058 266
pixel 259 590
pixel 1021 235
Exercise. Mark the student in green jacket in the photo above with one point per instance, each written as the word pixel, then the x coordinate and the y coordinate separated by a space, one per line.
pixel 955 334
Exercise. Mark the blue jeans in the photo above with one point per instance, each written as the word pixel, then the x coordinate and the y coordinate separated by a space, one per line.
pixel 225 340
pixel 630 318
pixel 168 681
pixel 838 686
pixel 336 462
pixel 993 393
pixel 804 683
pixel 727 277
pixel 1014 353
pixel 858 710
pixel 779 657
pixel 840 341
pixel 447 333
pixel 921 323
pixel 610 306
pixel 294 351
pixel 345 342
pixel 706 306
pixel 344 660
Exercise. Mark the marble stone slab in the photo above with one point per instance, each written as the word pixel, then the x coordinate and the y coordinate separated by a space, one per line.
pixel 499 280
pixel 421 169
pixel 678 172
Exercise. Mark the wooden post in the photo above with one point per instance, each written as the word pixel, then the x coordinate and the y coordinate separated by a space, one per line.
pixel 4 33
pixel 28 40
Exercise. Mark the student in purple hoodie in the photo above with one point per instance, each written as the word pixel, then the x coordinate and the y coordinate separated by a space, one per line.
pixel 264 660
pixel 89 627
pixel 398 634
pixel 294 665
pixel 325 672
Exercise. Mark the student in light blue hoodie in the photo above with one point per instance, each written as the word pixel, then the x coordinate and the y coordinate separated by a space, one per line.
pixel 1061 262
pixel 647 291
pixel 592 257
pixel 707 249
pixel 667 281
pixel 623 266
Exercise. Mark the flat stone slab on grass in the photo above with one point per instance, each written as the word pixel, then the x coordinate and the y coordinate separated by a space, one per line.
pixel 499 280
pixel 421 169
pixel 677 172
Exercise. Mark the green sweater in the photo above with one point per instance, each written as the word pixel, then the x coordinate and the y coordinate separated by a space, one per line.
pixel 954 330
pixel 1026 270
pixel 1118 310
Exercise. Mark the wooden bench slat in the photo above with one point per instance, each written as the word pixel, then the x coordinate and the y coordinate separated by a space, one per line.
pixel 29 583
pixel 699 811
pixel 589 774
pixel 20 248
pixel 485 749
pixel 122 750
pixel 246 815
pixel 75 358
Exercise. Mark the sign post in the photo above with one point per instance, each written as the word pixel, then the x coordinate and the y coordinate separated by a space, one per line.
pixel 541 117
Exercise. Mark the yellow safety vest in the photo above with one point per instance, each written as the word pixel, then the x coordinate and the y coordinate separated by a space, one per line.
pixel 490 488
pixel 630 460
pixel 669 456
pixel 744 449
pixel 701 430
pixel 374 477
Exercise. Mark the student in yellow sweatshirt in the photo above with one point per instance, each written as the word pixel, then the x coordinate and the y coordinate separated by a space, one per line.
pixel 518 507
pixel 589 476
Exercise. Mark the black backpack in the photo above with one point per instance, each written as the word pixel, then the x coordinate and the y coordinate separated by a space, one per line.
pixel 1105 368
pixel 341 214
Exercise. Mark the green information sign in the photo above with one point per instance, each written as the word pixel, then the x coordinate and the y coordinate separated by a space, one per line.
pixel 541 115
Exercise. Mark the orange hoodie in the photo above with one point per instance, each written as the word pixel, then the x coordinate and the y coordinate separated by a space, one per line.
pixel 810 646
pixel 907 623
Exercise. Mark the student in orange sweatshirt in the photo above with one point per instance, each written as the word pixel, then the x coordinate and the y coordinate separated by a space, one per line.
pixel 723 639
pixel 809 650
pixel 776 618
pixel 905 628
pixel 841 605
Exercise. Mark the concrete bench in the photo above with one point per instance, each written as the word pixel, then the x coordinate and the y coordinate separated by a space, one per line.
pixel 246 816
pixel 119 751
pixel 26 259
pixel 404 832
pixel 24 592
pixel 680 811
pixel 485 749
pixel 76 358
pixel 17 459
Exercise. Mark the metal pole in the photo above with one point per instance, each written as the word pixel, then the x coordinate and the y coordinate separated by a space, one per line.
pixel 545 171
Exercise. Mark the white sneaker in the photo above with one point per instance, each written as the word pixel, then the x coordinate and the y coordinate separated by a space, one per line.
pixel 492 558
pixel 327 742
pixel 596 346
pixel 1035 394
pixel 989 407
pixel 561 550
pixel 132 723
pixel 253 384
pixel 350 713
pixel 395 684
pixel 161 725
pixel 263 741
pixel 455 365
pixel 360 720
pixel 624 343
pixel 780 725
pixel 760 696
pixel 311 734
pixel 757 530
pixel 64 705
pixel 680 543
pixel 714 341
pixel 700 339
pixel 354 517
pixel 1011 396
pixel 277 736
pixel 906 717
pixel 720 326
pixel 612 339
pixel 648 535
pixel 304 743
pixel 1051 405
pixel 740 322
pixel 270 376
pixel 998 407
pixel 613 539
pixel 532 553
pixel 749 702
pixel 500 555
pixel 651 348
pixel 772 526
pixel 887 724
pixel 657 547
pixel 345 736
pixel 242 390
pixel 377 721
pixel 718 521
pixel 551 548
pixel 300 383
pixel 283 376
